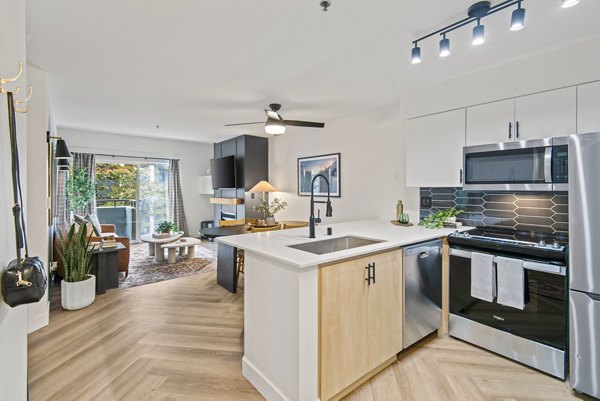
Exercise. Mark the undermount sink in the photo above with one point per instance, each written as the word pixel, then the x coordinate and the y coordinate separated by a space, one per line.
pixel 334 244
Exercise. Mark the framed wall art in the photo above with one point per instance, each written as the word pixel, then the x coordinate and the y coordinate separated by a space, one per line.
pixel 327 165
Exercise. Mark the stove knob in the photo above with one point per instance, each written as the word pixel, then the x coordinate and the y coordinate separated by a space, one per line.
pixel 542 243
pixel 555 245
pixel 466 234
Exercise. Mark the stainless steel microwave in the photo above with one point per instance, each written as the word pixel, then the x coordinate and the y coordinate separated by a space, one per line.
pixel 535 165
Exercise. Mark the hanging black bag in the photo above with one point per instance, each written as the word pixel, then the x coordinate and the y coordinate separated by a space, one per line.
pixel 24 281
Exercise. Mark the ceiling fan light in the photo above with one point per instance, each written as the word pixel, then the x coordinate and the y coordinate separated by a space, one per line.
pixel 517 21
pixel 569 3
pixel 274 127
pixel 478 35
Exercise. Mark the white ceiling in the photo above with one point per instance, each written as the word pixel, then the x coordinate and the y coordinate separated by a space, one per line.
pixel 192 66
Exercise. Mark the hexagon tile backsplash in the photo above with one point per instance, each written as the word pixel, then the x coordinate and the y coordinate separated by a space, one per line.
pixel 529 211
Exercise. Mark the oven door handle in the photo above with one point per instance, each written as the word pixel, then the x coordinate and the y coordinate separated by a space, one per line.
pixel 548 164
pixel 527 264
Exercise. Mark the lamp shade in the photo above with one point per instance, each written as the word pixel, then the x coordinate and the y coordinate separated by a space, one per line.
pixel 62 151
pixel 263 186
pixel 274 127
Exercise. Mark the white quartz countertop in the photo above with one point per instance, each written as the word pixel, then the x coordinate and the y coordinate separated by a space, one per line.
pixel 274 244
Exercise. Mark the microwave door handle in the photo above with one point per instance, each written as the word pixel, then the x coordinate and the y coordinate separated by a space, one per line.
pixel 548 164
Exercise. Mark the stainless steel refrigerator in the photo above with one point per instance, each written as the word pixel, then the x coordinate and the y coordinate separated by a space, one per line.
pixel 584 263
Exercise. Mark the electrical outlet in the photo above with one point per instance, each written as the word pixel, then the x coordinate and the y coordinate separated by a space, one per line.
pixel 426 201
pixel 252 195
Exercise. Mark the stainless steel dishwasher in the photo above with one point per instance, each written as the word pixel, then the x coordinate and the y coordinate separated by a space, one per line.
pixel 422 291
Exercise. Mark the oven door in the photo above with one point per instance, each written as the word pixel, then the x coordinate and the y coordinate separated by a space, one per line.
pixel 544 318
pixel 510 166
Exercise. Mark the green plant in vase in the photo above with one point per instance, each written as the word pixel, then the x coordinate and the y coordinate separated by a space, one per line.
pixel 166 227
pixel 441 216
pixel 270 209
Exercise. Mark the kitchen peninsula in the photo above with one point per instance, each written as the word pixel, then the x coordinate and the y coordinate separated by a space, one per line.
pixel 317 324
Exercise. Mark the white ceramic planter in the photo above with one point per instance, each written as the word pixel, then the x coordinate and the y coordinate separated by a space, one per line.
pixel 78 295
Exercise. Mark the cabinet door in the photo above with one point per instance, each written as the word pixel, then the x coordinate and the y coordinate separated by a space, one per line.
pixel 491 123
pixel 343 326
pixel 385 308
pixel 547 114
pixel 588 108
pixel 434 146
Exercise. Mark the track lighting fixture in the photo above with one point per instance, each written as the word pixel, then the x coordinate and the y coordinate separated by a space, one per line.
pixel 517 21
pixel 478 34
pixel 569 3
pixel 475 14
pixel 416 54
pixel 444 46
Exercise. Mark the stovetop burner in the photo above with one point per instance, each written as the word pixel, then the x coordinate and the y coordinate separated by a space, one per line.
pixel 539 244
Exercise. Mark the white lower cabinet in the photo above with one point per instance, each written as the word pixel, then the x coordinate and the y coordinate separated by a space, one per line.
pixel 434 146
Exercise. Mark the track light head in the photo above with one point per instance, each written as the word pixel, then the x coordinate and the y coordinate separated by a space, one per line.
pixel 517 21
pixel 478 34
pixel 415 55
pixel 444 47
pixel 569 3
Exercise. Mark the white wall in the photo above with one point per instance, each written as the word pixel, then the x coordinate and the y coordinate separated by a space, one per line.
pixel 13 322
pixel 194 160
pixel 372 165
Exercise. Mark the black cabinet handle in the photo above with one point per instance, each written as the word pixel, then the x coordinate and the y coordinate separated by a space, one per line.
pixel 509 130
pixel 517 130
pixel 370 274
pixel 461 176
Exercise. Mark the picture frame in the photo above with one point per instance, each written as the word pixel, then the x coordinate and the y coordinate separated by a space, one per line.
pixel 329 165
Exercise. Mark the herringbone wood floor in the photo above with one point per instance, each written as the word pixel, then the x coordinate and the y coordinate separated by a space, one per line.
pixel 182 340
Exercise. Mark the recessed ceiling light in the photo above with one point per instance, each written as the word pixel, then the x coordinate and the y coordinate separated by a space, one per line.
pixel 569 3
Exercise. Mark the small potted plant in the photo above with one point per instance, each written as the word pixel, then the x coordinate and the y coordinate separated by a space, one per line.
pixel 270 209
pixel 78 287
pixel 437 219
pixel 165 229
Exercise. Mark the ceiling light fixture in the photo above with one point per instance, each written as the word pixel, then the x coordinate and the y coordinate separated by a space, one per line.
pixel 274 127
pixel 569 3
pixel 325 4
pixel 517 21
pixel 475 14
pixel 416 54
pixel 444 46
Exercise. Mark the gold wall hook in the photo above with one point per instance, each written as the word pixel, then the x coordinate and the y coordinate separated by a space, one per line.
pixel 22 111
pixel 28 96
pixel 6 80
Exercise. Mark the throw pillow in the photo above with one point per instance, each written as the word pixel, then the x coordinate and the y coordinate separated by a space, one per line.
pixel 95 224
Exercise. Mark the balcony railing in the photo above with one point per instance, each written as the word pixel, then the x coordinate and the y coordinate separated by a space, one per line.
pixel 116 202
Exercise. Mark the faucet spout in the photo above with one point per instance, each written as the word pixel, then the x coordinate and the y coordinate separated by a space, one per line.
pixel 328 208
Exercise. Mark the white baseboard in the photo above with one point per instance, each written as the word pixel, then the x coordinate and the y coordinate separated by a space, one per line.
pixel 264 386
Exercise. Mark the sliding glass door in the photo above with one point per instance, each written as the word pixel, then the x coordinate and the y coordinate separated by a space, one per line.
pixel 132 195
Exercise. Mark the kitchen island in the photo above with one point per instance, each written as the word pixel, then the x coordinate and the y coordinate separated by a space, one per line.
pixel 287 352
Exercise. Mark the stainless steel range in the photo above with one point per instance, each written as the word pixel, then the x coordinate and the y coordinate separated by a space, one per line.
pixel 509 293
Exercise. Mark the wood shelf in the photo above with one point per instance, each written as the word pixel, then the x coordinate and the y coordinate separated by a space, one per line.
pixel 226 201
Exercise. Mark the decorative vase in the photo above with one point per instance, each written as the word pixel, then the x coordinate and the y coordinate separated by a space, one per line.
pixel 78 295
pixel 271 220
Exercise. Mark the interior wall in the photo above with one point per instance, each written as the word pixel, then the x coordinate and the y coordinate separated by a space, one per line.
pixel 371 167
pixel 13 321
pixel 38 230
pixel 194 161
pixel 566 66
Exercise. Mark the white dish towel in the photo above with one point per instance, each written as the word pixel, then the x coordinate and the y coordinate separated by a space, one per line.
pixel 511 282
pixel 483 277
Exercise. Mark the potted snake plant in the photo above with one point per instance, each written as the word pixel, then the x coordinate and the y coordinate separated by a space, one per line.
pixel 78 287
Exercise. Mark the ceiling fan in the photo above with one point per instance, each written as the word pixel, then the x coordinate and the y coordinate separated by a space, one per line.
pixel 275 124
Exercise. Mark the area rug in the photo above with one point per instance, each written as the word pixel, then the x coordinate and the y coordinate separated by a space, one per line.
pixel 143 269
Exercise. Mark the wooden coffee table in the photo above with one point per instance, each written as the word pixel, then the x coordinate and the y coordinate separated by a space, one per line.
pixel 154 245
pixel 182 244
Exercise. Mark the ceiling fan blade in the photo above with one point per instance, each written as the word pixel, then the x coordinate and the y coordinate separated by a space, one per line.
pixel 273 115
pixel 233 125
pixel 310 124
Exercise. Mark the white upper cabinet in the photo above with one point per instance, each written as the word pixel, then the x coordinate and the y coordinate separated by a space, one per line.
pixel 588 108
pixel 491 123
pixel 547 114
pixel 434 147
